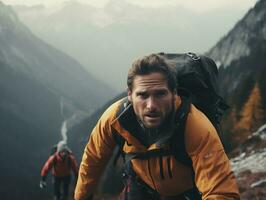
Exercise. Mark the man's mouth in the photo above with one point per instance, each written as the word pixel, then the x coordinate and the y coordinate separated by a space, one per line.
pixel 152 115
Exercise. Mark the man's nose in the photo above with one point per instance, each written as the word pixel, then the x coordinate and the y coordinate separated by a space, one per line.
pixel 151 104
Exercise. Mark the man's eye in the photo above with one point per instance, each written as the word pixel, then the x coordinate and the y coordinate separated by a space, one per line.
pixel 142 95
pixel 161 94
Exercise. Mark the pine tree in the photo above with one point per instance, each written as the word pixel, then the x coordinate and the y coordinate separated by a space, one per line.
pixel 252 112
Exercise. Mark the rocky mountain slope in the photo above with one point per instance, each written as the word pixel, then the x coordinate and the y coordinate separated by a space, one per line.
pixel 241 57
pixel 249 165
pixel 241 54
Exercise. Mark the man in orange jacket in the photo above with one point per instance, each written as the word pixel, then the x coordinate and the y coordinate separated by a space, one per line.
pixel 144 118
pixel 61 163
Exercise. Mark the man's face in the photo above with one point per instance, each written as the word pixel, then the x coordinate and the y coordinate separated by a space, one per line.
pixel 151 98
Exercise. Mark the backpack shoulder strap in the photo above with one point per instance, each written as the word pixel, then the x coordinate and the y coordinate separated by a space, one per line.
pixel 119 150
pixel 117 137
pixel 177 142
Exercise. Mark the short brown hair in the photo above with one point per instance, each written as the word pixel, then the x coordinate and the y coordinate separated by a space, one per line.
pixel 150 64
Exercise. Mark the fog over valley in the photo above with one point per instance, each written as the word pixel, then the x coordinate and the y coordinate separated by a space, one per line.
pixel 106 39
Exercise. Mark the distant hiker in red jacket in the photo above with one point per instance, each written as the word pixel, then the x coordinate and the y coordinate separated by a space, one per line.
pixel 61 163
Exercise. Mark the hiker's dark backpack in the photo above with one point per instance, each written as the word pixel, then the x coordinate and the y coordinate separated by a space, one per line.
pixel 197 78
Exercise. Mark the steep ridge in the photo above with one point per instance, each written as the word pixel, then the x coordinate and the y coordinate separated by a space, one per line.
pixel 240 55
pixel 24 52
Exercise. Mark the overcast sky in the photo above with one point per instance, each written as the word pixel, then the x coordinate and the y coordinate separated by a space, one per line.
pixel 195 5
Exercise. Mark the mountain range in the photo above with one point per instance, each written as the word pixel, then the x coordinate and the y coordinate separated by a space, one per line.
pixel 109 38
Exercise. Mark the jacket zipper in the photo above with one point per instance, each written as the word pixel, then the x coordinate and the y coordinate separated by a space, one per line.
pixel 169 167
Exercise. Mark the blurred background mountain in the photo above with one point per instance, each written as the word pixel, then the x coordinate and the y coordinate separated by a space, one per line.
pixel 108 38
pixel 68 63
pixel 40 87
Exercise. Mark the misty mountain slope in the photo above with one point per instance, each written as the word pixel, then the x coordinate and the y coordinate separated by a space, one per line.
pixel 246 36
pixel 241 55
pixel 109 39
pixel 21 50
pixel 36 81
pixel 28 99
pixel 30 121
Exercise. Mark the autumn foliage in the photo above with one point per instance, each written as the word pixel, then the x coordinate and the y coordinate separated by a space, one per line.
pixel 251 116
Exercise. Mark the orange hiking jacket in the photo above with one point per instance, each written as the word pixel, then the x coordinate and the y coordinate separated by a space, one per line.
pixel 59 167
pixel 213 175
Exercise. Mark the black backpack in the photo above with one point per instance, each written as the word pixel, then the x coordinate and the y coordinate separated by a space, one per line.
pixel 197 78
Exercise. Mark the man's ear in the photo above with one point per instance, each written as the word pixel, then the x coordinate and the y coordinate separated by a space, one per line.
pixel 129 94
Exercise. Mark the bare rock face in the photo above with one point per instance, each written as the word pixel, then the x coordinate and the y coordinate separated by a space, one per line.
pixel 240 41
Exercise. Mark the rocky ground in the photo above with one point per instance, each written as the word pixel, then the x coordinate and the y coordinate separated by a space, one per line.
pixel 249 165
